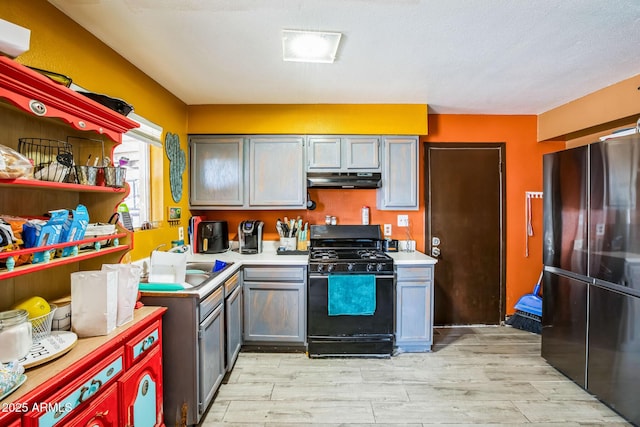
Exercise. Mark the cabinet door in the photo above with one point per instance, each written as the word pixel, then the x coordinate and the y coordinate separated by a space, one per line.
pixel 324 153
pixel 101 413
pixel 414 322
pixel 211 357
pixel 274 312
pixel 400 174
pixel 233 314
pixel 276 172
pixel 362 153
pixel 141 392
pixel 217 171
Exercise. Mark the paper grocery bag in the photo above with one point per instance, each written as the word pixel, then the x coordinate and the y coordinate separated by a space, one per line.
pixel 167 267
pixel 94 302
pixel 128 280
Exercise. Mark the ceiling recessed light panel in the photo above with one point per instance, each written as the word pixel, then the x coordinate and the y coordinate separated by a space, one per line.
pixel 309 46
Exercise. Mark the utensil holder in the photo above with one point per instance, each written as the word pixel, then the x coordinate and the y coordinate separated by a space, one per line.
pixel 86 175
pixel 114 176
pixel 288 243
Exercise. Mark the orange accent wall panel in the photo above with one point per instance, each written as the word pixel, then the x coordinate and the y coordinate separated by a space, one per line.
pixel 523 167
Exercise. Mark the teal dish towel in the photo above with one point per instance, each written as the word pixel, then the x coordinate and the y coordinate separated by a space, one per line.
pixel 352 295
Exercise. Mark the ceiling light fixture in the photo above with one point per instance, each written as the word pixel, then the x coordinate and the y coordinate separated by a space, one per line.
pixel 309 46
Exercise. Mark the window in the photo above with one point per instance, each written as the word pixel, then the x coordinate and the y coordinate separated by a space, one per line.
pixel 134 155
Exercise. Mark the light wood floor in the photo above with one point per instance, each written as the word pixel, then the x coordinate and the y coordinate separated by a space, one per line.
pixel 474 376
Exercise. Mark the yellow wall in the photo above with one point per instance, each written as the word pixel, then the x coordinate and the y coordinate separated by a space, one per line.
pixel 58 44
pixel 388 119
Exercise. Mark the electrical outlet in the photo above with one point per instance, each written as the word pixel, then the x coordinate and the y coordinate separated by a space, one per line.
pixel 403 220
pixel 387 229
pixel 180 233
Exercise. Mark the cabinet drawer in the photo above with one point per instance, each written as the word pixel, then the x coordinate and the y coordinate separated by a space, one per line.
pixel 102 412
pixel 58 409
pixel 414 273
pixel 276 274
pixel 142 343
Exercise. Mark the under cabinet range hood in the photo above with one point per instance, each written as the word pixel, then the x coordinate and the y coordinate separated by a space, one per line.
pixel 344 179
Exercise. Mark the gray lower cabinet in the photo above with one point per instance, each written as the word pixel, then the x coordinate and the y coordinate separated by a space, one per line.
pixel 274 304
pixel 414 311
pixel 400 175
pixel 233 319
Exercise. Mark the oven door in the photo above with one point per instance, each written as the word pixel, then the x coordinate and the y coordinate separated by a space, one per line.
pixel 321 325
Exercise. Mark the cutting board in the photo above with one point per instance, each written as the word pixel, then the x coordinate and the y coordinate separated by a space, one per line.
pixel 49 348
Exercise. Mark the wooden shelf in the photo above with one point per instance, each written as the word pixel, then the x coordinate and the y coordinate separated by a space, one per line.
pixel 82 255
pixel 49 185
pixel 36 94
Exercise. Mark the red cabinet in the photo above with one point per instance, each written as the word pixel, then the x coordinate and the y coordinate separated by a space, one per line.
pixel 141 392
pixel 101 413
pixel 99 382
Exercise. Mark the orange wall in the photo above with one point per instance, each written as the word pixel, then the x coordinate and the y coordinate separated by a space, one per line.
pixel 345 205
pixel 523 173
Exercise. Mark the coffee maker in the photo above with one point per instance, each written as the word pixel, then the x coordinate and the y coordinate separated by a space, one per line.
pixel 250 236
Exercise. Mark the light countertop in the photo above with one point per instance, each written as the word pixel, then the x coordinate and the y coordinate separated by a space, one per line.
pixel 269 256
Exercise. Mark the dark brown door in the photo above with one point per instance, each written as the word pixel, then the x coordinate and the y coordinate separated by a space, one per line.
pixel 465 231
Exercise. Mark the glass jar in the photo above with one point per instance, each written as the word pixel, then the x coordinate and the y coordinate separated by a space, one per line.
pixel 15 335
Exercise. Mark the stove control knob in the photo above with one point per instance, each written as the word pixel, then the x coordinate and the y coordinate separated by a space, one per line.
pixel 331 267
pixel 379 267
pixel 319 267
pixel 371 266
pixel 350 266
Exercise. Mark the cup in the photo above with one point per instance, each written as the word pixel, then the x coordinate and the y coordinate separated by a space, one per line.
pixel 114 177
pixel 288 243
pixel 86 175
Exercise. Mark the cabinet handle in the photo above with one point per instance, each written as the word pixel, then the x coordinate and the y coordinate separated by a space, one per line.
pixel 102 414
pixel 147 343
pixel 89 390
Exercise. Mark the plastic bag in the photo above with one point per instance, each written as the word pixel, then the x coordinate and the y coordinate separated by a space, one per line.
pixel 13 164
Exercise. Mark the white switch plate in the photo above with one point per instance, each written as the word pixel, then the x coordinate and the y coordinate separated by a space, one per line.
pixel 180 233
pixel 387 229
pixel 403 220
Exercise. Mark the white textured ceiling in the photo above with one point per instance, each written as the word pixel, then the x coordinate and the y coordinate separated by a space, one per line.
pixel 458 56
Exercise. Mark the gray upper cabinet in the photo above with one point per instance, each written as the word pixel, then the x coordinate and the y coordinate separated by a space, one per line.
pixel 272 167
pixel 343 154
pixel 276 172
pixel 400 185
pixel 216 171
pixel 324 153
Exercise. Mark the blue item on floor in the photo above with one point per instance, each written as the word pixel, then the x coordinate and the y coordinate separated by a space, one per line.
pixel 352 295
pixel 528 315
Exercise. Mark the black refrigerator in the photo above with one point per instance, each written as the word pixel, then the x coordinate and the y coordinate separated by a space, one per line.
pixel 591 282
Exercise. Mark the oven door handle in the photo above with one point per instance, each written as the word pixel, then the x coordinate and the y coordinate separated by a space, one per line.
pixel 378 276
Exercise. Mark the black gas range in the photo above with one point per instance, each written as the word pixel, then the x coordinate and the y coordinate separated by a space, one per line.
pixel 351 292
pixel 354 260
